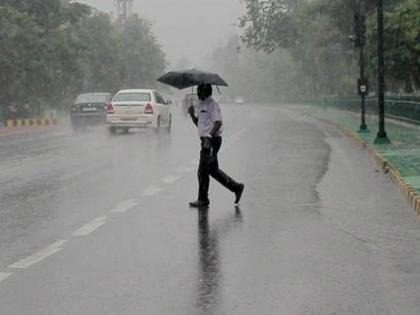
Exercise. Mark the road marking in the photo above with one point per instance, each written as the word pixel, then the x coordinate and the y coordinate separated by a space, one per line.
pixel 185 169
pixel 70 176
pixel 170 179
pixel 39 256
pixel 4 275
pixel 307 205
pixel 124 206
pixel 90 226
pixel 152 190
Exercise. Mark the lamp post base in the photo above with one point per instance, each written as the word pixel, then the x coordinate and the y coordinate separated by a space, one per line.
pixel 382 138
pixel 363 130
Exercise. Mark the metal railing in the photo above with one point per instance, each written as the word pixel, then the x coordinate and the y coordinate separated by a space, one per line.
pixel 401 107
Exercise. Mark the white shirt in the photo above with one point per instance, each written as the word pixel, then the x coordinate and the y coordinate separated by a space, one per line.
pixel 208 112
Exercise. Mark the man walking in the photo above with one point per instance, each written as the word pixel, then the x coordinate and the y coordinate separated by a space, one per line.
pixel 210 127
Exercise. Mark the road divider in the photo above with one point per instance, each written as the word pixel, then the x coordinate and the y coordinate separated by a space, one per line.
pixel 10 123
pixel 39 256
pixel 152 190
pixel 90 226
pixel 4 275
pixel 170 179
pixel 124 206
pixel 186 169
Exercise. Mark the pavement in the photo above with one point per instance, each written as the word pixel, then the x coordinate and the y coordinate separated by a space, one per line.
pixel 402 154
pixel 97 224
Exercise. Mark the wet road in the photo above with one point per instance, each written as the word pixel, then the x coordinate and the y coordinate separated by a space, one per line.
pixel 98 224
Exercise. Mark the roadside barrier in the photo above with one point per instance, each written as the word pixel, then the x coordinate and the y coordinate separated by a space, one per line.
pixel 406 108
pixel 30 122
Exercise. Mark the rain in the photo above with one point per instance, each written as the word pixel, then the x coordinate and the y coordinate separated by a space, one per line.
pixel 209 157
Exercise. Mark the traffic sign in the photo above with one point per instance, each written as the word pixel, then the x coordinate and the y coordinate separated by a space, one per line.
pixel 362 87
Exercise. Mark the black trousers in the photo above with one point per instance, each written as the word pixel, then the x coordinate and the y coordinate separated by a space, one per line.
pixel 209 166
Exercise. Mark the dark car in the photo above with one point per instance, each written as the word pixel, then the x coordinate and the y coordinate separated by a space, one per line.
pixel 89 109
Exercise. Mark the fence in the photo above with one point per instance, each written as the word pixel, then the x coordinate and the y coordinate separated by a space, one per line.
pixel 402 107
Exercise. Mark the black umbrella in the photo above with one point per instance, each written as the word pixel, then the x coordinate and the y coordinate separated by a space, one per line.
pixel 188 78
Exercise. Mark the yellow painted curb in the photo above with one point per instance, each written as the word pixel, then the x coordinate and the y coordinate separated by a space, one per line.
pixel 418 206
pixel 10 123
pixel 31 122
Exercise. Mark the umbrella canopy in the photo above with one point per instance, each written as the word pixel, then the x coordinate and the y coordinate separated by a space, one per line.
pixel 188 78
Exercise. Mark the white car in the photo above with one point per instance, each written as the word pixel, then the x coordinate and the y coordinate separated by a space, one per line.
pixel 138 109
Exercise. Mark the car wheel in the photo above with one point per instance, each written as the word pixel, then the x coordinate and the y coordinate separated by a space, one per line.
pixel 112 130
pixel 169 124
pixel 157 128
pixel 125 130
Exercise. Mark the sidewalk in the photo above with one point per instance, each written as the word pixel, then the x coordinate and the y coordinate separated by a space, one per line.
pixel 400 159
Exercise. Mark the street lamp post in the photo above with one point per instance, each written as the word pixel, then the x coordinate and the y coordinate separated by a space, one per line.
pixel 360 21
pixel 381 137
pixel 359 39
pixel 363 126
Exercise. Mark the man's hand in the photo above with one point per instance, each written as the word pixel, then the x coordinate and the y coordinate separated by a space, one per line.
pixel 191 111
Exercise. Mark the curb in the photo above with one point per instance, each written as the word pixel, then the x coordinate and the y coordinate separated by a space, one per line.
pixel 11 123
pixel 20 130
pixel 407 191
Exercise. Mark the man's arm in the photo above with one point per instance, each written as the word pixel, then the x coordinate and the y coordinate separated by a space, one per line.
pixel 216 127
pixel 216 116
pixel 194 118
pixel 207 140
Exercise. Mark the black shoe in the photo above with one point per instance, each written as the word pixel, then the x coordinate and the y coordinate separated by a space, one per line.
pixel 238 193
pixel 199 204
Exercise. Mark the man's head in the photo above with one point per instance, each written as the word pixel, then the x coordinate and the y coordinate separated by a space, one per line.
pixel 204 91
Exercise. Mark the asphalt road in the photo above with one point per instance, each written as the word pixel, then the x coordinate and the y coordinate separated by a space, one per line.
pixel 97 224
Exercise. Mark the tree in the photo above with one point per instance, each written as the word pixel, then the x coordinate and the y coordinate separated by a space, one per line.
pixel 142 59
pixel 269 24
pixel 401 45
pixel 316 33
pixel 52 50
pixel 255 75
pixel 19 38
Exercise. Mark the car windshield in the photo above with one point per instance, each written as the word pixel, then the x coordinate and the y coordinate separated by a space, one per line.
pixel 132 97
pixel 92 98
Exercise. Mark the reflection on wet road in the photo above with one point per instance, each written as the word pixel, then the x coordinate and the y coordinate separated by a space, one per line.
pixel 209 275
pixel 209 266
pixel 97 224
